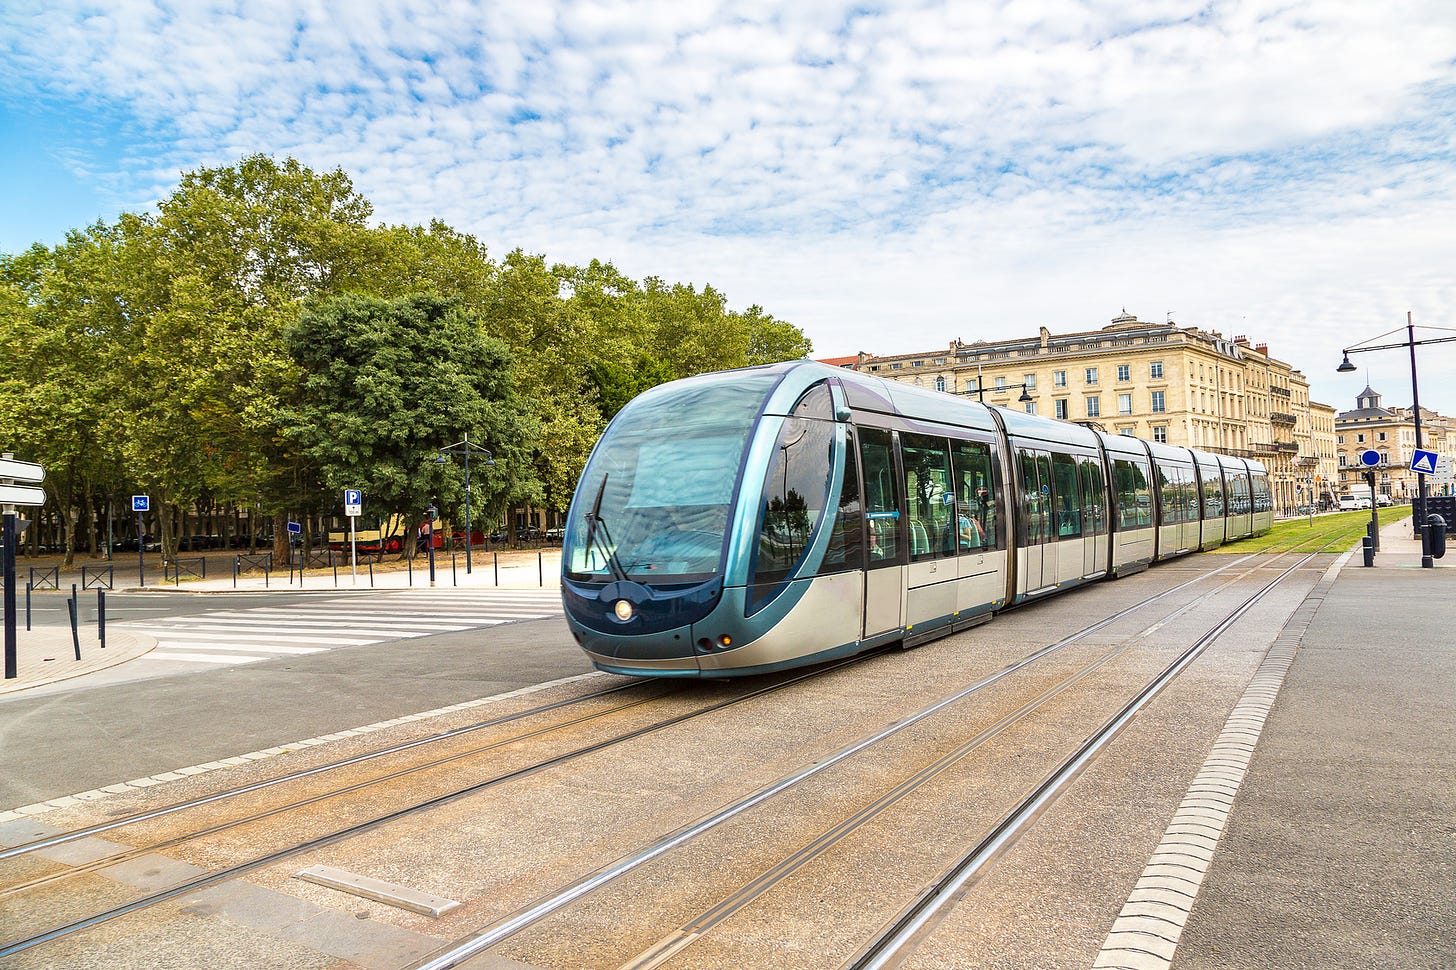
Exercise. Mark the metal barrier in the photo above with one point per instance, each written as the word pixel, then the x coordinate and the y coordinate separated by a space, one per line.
pixel 45 578
pixel 97 577
pixel 174 569
pixel 246 562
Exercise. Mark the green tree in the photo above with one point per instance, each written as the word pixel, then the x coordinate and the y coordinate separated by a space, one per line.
pixel 59 326
pixel 386 383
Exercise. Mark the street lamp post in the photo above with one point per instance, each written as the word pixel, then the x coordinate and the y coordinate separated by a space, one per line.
pixel 1025 397
pixel 1410 342
pixel 464 448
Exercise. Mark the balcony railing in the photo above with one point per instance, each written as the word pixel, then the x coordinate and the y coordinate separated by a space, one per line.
pixel 1279 417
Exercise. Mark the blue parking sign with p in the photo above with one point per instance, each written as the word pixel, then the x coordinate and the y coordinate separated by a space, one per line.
pixel 141 503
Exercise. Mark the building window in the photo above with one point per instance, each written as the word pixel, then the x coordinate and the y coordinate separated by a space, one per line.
pixel 1380 436
pixel 918 363
pixel 1160 433
pixel 1125 432
pixel 1061 408
pixel 940 383
pixel 1339 439
pixel 1030 407
pixel 1360 438
pixel 1124 404
pixel 1159 402
pixel 1124 372
pixel 1059 378
pixel 1000 383
pixel 973 385
pixel 894 367
pixel 1091 375
pixel 1155 369
pixel 1094 406
pixel 1030 381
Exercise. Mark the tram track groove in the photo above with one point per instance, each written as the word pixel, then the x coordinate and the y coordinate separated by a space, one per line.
pixel 279 855
pixel 482 940
pixel 318 842
pixel 918 920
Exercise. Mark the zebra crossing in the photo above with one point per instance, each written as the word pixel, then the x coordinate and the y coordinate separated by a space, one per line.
pixel 250 634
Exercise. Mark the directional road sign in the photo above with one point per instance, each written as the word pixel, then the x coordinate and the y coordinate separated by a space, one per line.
pixel 1424 462
pixel 21 495
pixel 353 501
pixel 141 503
pixel 1369 458
pixel 294 528
pixel 21 471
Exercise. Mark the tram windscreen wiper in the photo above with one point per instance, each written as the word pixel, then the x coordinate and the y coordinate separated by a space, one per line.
pixel 608 547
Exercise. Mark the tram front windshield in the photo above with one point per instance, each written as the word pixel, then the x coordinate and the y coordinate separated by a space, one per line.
pixel 654 502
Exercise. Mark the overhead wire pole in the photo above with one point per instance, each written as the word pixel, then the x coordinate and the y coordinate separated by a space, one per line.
pixel 464 448
pixel 1427 561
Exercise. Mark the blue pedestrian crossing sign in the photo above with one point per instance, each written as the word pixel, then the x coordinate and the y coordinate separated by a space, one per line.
pixel 1424 462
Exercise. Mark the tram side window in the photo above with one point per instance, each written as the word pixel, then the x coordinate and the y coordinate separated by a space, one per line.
pixel 1239 495
pixel 1212 495
pixel 815 403
pixel 1134 496
pixel 929 496
pixel 1263 499
pixel 795 491
pixel 846 545
pixel 1170 492
pixel 1094 497
pixel 1066 493
pixel 976 523
pixel 1036 489
pixel 881 504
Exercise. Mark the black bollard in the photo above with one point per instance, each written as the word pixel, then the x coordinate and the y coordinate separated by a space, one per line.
pixel 101 617
pixel 75 634
pixel 1368 545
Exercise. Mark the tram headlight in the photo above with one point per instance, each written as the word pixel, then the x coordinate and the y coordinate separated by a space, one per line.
pixel 623 610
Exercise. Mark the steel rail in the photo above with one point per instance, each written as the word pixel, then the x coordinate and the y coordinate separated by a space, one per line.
pixel 359 828
pixel 888 947
pixel 482 940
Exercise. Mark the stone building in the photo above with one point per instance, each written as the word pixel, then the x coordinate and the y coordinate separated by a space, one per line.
pixel 1159 381
pixel 1392 432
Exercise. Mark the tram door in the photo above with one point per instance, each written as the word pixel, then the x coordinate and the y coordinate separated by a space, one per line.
pixel 1037 539
pixel 884 575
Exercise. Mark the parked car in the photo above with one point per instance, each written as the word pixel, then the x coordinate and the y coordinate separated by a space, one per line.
pixel 1384 501
pixel 1351 503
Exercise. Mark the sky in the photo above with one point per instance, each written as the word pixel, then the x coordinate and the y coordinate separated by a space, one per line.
pixel 888 176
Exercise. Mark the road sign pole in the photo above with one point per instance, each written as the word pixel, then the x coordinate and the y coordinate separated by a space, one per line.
pixel 353 553
pixel 12 663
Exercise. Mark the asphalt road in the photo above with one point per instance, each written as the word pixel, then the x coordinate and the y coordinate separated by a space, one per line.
pixel 61 743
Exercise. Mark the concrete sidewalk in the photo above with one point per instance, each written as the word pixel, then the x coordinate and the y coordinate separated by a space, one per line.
pixel 1337 851
pixel 47 654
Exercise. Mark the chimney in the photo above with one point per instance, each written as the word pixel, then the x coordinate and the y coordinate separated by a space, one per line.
pixel 1262 349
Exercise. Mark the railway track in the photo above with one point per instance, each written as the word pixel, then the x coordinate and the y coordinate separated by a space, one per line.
pixel 636 698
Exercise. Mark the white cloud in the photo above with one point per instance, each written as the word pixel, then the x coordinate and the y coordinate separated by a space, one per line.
pixel 887 177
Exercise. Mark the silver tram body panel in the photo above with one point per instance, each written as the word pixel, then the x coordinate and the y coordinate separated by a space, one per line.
pixel 810 513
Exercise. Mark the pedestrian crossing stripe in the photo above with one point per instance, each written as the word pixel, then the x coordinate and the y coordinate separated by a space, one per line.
pixel 253 634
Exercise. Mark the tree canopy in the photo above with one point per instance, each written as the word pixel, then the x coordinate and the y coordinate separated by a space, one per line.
pixel 256 342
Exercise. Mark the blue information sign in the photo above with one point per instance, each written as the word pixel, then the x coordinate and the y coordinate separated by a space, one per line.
pixel 1424 462
pixel 294 528
pixel 141 503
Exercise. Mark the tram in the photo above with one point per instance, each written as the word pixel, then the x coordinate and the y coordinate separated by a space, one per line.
pixel 754 520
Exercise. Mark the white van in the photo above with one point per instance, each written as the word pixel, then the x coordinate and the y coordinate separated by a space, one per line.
pixel 1352 503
